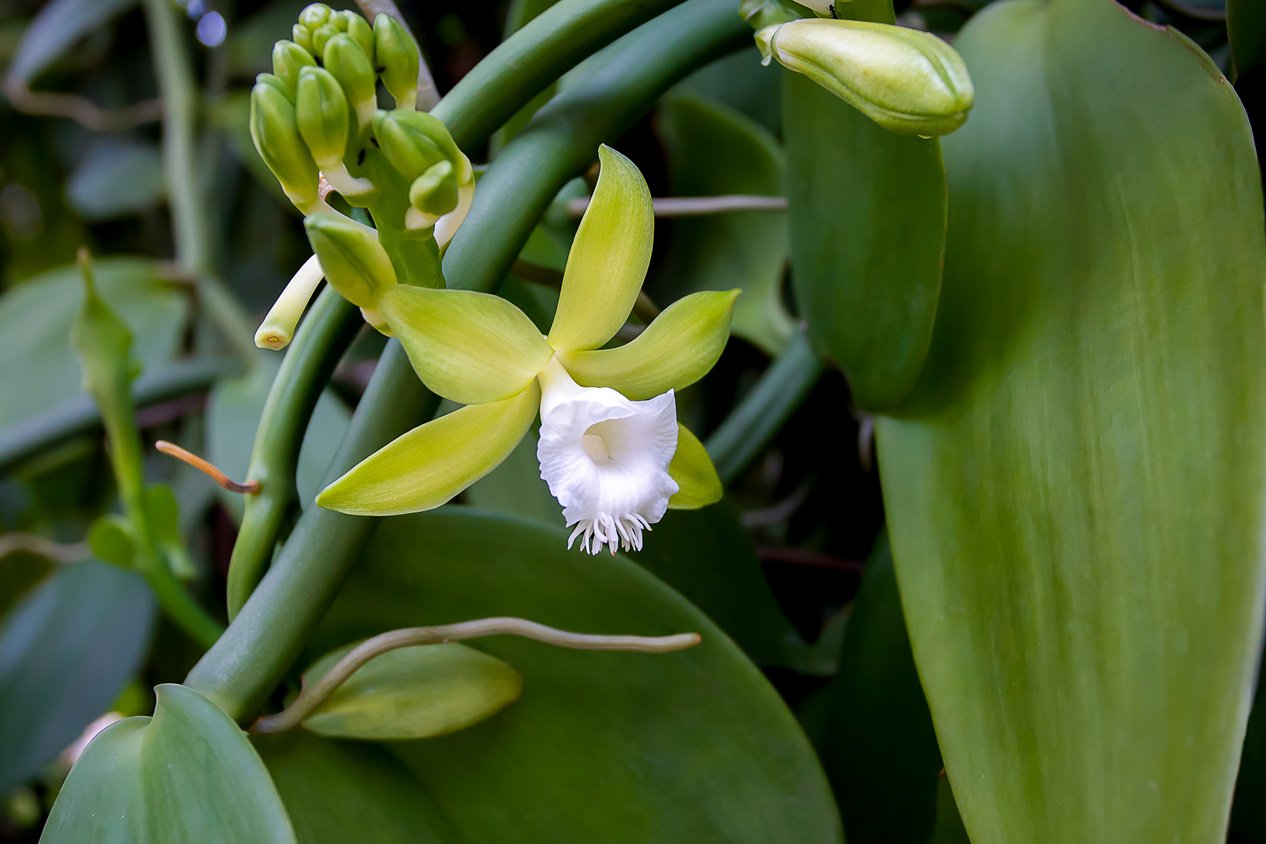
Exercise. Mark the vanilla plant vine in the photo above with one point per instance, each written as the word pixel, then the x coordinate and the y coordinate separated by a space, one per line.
pixel 243 667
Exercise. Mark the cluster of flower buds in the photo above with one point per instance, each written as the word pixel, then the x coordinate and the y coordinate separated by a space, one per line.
pixel 907 81
pixel 315 118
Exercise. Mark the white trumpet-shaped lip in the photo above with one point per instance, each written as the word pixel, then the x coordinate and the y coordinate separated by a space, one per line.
pixel 605 458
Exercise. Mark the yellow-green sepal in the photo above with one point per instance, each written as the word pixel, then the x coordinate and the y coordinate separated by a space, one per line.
pixel 432 463
pixel 692 469
pixel 674 351
pixel 466 346
pixel 608 258
pixel 354 262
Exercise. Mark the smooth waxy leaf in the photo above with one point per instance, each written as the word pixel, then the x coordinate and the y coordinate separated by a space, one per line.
pixel 608 258
pixel 689 746
pixel 877 742
pixel 341 792
pixel 115 178
pixel 34 321
pixel 66 651
pixel 867 216
pixel 58 25
pixel 411 693
pixel 468 347
pixel 429 465
pixel 692 469
pixel 1075 488
pixel 713 150
pixel 186 774
pixel 676 349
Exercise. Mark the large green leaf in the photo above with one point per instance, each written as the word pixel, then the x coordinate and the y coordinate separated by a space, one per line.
pixel 38 371
pixel 340 792
pixel 66 651
pixel 867 218
pixel 877 742
pixel 1075 489
pixel 187 774
pixel 713 150
pixel 605 747
pixel 116 177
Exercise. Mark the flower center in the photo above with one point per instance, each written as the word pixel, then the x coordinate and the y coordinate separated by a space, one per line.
pixel 596 447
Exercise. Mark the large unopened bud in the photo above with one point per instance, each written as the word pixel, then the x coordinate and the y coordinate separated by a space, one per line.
pixel 907 81
pixel 354 262
pixel 413 141
pixel 396 53
pixel 344 58
pixel 276 137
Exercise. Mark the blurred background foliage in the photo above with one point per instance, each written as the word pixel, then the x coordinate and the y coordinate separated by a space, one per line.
pixel 810 595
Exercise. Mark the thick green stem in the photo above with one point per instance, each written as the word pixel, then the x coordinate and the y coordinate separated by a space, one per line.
pixel 186 195
pixel 79 415
pixel 253 655
pixel 750 427
pixel 323 336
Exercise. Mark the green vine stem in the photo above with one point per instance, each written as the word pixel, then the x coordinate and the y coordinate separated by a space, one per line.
pixel 257 649
pixel 324 334
pixel 80 415
pixel 313 696
pixel 750 427
pixel 187 197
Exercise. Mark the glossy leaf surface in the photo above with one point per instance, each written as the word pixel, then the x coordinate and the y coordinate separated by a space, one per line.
pixel 186 774
pixel 411 693
pixel 867 219
pixel 66 651
pixel 614 747
pixel 343 792
pixel 1075 488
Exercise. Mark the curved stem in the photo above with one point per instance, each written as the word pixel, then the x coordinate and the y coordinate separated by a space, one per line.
pixel 322 338
pixel 313 696
pixel 248 661
pixel 186 197
pixel 748 430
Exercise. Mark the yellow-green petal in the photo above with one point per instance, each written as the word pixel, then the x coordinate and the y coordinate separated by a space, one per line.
pixel 608 258
pixel 429 465
pixel 674 351
pixel 692 469
pixel 466 346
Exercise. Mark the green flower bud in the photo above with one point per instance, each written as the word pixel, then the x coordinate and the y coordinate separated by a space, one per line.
pixel 360 30
pixel 322 35
pixel 302 36
pixel 269 79
pixel 344 58
pixel 288 59
pixel 397 54
pixel 324 123
pixel 354 262
pixel 322 117
pixel 315 15
pixel 411 140
pixel 276 137
pixel 432 195
pixel 907 81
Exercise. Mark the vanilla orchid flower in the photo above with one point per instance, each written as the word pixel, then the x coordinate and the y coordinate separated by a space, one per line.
pixel 611 449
